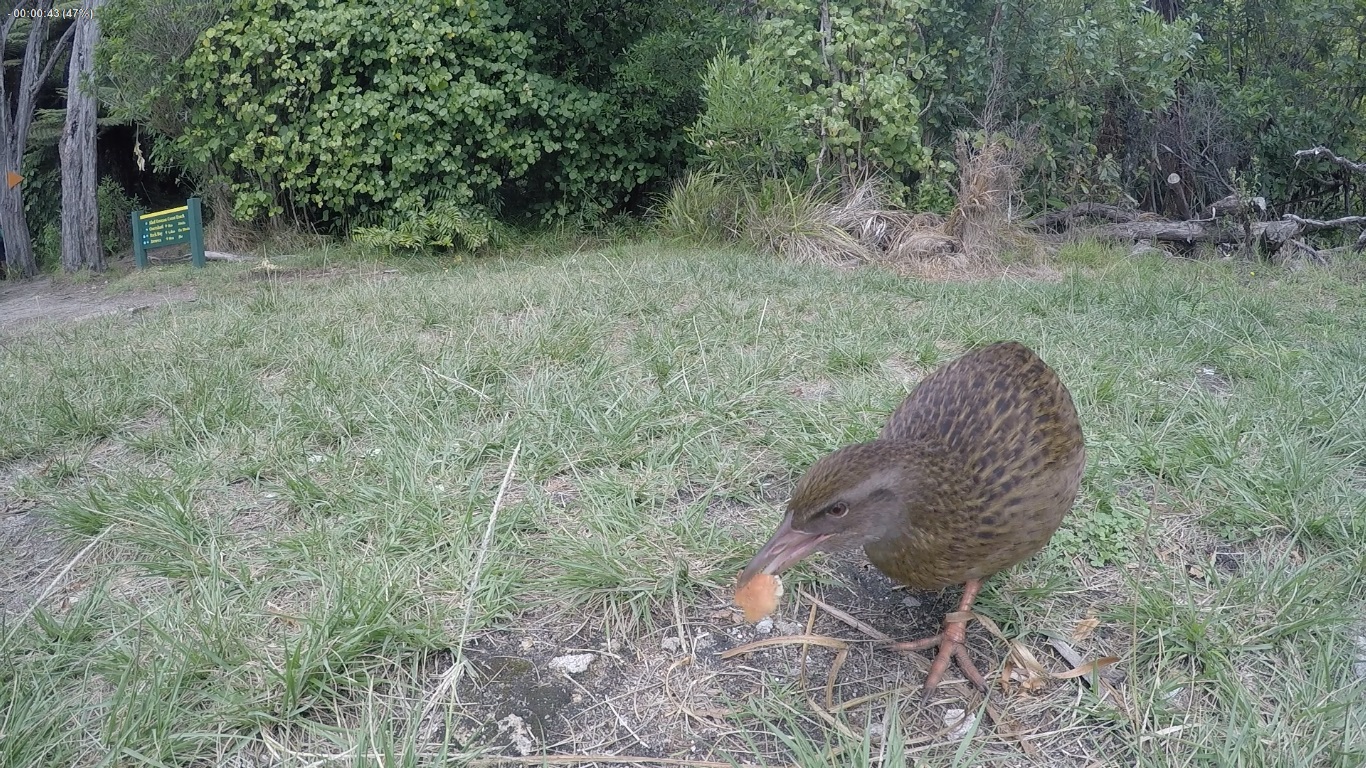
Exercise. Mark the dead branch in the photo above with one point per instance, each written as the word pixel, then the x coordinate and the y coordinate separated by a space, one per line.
pixel 222 256
pixel 1187 232
pixel 1314 225
pixel 1236 205
pixel 1327 154
pixel 1230 224
pixel 1314 254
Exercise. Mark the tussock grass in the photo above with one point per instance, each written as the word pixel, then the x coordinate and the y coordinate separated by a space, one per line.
pixel 774 215
pixel 858 222
pixel 290 480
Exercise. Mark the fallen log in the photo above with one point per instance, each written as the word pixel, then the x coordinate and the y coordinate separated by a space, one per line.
pixel 1128 226
pixel 1234 220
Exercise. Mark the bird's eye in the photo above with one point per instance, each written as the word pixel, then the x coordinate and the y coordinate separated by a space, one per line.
pixel 838 510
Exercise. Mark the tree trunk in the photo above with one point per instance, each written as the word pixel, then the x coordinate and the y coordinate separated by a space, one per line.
pixel 16 116
pixel 80 218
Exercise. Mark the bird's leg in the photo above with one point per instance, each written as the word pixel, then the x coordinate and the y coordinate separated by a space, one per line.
pixel 951 642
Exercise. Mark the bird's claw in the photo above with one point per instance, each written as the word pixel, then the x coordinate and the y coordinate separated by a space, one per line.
pixel 952 646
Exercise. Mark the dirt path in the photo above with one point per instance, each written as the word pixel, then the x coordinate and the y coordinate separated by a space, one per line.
pixel 28 303
pixel 30 551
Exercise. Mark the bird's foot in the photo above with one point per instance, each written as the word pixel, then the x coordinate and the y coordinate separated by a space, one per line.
pixel 951 644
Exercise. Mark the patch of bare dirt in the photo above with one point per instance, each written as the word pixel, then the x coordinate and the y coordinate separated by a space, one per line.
pixel 28 303
pixel 688 690
pixel 906 372
pixel 31 552
pixel 813 391
pixel 1213 381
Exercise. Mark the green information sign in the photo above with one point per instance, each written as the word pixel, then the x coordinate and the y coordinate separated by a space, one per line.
pixel 172 226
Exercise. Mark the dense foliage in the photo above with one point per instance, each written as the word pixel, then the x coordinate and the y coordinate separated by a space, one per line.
pixel 450 114
pixel 882 85
pixel 322 109
pixel 1273 77
pixel 1110 99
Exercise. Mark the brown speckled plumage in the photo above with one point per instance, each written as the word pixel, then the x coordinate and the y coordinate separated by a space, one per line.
pixel 999 431
pixel 972 474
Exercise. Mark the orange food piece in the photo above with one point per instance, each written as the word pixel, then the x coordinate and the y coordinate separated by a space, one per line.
pixel 759 596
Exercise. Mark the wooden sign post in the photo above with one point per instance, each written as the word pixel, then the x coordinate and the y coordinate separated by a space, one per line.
pixel 169 227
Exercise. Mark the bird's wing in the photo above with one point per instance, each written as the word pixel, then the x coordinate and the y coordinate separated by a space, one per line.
pixel 969 396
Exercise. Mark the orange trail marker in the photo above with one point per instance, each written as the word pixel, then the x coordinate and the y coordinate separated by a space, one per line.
pixel 13 179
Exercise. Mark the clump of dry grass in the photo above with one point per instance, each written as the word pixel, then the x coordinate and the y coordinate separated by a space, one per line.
pixel 860 222
pixel 971 240
pixel 775 216
pixel 866 213
pixel 799 224
pixel 984 219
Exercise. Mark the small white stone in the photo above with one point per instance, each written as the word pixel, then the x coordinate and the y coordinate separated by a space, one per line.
pixel 573 663
pixel 911 602
pixel 789 627
pixel 960 729
pixel 516 727
pixel 671 644
pixel 764 626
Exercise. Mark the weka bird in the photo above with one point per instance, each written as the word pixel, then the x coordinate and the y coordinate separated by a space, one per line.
pixel 972 474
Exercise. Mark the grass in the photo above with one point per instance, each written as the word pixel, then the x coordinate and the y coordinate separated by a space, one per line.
pixel 290 481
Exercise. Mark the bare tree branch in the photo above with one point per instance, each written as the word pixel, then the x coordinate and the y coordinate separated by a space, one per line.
pixel 1314 225
pixel 56 54
pixel 1326 154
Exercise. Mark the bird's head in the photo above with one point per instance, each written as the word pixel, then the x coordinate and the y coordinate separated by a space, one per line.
pixel 849 498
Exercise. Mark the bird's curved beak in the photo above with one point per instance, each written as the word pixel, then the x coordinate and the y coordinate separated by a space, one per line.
pixel 787 546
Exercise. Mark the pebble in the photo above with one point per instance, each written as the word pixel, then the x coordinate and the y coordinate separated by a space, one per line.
pixel 573 663
pixel 671 643
pixel 952 716
pixel 764 626
pixel 516 727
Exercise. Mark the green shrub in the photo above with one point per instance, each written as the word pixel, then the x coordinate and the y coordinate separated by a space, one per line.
pixel 749 128
pixel 315 108
pixel 115 208
pixel 803 103
pixel 444 225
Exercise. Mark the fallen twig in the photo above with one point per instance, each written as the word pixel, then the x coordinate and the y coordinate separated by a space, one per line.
pixel 769 642
pixel 844 617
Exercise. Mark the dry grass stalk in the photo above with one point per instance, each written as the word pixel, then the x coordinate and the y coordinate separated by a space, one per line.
pixel 451 676
pixel 984 220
